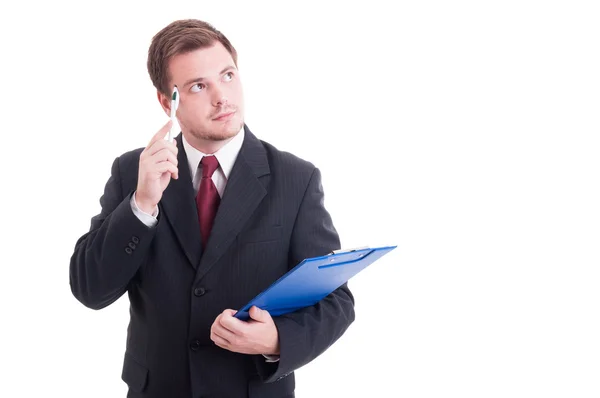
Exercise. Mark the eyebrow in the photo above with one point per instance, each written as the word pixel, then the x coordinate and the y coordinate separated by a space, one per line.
pixel 199 79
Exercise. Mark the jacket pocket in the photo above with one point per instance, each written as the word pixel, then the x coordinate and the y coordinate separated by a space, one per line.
pixel 134 374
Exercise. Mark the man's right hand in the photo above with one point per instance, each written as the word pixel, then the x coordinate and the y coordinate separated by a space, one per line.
pixel 158 163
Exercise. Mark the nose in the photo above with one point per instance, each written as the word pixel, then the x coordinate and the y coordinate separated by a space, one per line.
pixel 218 97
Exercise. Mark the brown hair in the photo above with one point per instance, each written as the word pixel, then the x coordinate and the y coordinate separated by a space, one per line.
pixel 180 37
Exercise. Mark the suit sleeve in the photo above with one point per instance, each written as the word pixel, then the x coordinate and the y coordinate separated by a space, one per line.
pixel 108 256
pixel 307 333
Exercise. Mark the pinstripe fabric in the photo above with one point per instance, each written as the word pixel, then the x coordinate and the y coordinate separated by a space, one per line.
pixel 271 216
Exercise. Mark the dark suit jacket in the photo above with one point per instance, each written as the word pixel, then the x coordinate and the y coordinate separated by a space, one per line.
pixel 271 217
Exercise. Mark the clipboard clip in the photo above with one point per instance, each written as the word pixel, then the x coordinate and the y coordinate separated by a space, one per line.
pixel 339 251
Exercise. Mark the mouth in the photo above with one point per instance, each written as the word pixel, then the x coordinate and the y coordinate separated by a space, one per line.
pixel 223 116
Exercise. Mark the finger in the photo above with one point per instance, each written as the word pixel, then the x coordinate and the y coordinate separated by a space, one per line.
pixel 167 166
pixel 213 326
pixel 232 324
pixel 229 312
pixel 221 342
pixel 161 133
pixel 164 155
pixel 225 334
pixel 259 315
pixel 159 146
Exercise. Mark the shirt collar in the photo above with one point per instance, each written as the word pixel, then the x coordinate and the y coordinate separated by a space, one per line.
pixel 226 156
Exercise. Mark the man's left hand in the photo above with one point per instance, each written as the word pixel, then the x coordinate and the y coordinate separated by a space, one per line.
pixel 256 336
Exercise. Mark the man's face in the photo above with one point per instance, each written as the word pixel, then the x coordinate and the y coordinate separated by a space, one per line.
pixel 211 106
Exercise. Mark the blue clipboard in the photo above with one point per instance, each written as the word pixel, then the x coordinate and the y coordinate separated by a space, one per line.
pixel 312 280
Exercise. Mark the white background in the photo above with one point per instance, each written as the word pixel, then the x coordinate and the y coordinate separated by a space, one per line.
pixel 465 132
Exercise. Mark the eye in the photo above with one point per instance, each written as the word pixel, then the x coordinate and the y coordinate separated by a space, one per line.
pixel 228 76
pixel 196 88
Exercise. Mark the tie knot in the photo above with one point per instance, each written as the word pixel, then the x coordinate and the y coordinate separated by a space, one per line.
pixel 209 165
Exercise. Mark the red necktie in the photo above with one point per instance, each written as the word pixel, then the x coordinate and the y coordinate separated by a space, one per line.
pixel 207 199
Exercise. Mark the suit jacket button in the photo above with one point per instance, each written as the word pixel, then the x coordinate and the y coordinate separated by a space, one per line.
pixel 132 245
pixel 128 250
pixel 195 345
pixel 135 239
pixel 199 291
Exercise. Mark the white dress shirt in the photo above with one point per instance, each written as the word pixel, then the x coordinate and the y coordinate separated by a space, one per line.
pixel 226 156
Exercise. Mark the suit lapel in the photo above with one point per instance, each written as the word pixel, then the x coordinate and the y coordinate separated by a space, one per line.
pixel 179 204
pixel 243 193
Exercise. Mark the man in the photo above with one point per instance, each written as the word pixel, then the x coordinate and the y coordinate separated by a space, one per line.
pixel 193 229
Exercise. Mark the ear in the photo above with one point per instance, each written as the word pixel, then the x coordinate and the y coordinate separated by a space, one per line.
pixel 165 102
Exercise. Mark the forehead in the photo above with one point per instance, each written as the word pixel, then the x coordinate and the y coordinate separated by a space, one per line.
pixel 202 63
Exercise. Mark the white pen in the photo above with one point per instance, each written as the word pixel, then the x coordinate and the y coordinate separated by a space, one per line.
pixel 174 105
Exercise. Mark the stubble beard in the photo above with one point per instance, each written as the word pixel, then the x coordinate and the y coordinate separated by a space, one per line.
pixel 217 136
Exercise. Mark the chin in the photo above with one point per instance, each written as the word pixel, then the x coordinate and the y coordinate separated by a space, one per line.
pixel 230 129
pixel 222 133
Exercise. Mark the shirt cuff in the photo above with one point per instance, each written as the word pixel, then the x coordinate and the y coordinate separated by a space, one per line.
pixel 271 358
pixel 149 220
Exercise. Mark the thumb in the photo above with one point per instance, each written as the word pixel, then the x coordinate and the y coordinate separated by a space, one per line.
pixel 258 315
